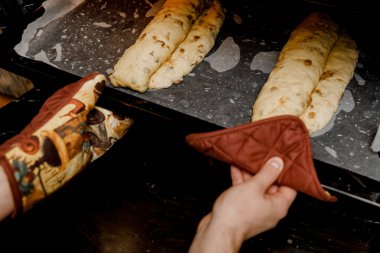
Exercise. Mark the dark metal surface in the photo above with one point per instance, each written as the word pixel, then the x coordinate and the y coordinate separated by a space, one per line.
pixel 225 98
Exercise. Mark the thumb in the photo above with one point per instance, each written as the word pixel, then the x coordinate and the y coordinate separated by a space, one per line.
pixel 268 174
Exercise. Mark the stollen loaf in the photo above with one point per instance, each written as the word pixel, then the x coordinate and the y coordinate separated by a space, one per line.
pixel 299 66
pixel 337 74
pixel 156 43
pixel 192 50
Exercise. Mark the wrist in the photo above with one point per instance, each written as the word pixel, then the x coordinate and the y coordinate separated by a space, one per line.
pixel 217 237
pixel 232 236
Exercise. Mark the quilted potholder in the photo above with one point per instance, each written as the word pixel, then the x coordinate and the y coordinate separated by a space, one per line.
pixel 249 146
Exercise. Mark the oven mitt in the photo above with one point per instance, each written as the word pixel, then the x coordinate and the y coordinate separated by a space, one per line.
pixel 104 129
pixel 249 146
pixel 56 144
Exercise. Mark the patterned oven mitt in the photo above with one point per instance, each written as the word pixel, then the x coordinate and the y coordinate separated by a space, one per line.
pixel 250 145
pixel 59 142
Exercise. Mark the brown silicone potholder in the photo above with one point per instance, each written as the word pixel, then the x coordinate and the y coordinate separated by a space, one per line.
pixel 249 146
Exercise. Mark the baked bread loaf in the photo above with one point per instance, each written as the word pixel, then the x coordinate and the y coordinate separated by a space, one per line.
pixel 192 50
pixel 156 43
pixel 299 66
pixel 339 70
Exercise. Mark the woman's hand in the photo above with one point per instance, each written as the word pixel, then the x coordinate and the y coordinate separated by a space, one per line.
pixel 251 206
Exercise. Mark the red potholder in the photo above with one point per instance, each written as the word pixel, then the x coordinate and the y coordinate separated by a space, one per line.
pixel 249 146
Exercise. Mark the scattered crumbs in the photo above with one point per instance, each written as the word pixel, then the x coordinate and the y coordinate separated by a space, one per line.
pixel 209 116
pixel 109 71
pixel 206 76
pixel 232 101
pixel 58 49
pixel 149 3
pixel 102 24
pixel 359 79
pixel 289 241
pixel 39 32
pixel 122 14
pixel 370 114
pixel 359 65
pixel 85 37
pixel 118 51
pixel 133 30
pixel 64 30
pixel 103 6
pixel 331 151
pixel 363 144
pixel 247 40
pixel 82 14
pixel 136 13
pixel 262 43
pixel 356 166
pixel 237 19
pixel 191 74
pixel 361 130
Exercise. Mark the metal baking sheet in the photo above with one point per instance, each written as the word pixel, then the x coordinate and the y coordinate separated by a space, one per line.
pixel 84 36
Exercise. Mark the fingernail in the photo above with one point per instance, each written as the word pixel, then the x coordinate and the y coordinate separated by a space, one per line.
pixel 276 162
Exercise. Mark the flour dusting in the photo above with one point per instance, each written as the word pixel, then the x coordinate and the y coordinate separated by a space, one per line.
pixel 226 57
pixel 332 152
pixel 359 79
pixel 58 48
pixel 102 24
pixel 264 61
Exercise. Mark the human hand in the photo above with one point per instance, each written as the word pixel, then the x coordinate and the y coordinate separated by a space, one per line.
pixel 251 206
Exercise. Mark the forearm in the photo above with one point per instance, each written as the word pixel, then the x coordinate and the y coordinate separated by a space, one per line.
pixel 6 200
pixel 213 237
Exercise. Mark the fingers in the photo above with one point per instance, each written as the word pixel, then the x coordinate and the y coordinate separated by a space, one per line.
pixel 204 222
pixel 236 175
pixel 269 173
pixel 246 175
pixel 287 193
pixel 239 176
pixel 273 189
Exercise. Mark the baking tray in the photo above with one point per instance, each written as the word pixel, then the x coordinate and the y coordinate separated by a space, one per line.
pixel 80 37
